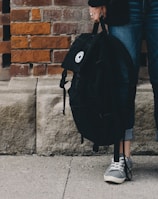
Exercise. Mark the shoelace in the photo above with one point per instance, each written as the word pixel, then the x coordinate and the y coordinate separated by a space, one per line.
pixel 117 165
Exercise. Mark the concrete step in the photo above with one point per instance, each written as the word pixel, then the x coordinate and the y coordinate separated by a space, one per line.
pixel 31 120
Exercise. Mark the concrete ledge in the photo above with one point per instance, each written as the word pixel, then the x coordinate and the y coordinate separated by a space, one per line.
pixel 145 129
pixel 17 118
pixel 22 85
pixel 56 133
pixel 31 120
pixel 4 86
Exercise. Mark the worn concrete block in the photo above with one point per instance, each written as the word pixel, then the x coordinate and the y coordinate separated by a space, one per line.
pixel 17 117
pixel 56 133
pixel 17 122
pixel 4 73
pixel 24 119
pixel 4 86
pixel 145 129
pixel 22 85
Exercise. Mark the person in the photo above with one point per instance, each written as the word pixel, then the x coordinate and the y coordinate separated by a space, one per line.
pixel 128 20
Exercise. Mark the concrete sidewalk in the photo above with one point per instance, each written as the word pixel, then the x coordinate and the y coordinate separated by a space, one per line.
pixel 65 177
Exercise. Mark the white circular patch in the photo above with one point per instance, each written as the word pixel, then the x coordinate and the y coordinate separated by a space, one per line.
pixel 79 57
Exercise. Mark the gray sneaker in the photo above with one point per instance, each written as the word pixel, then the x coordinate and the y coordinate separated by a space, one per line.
pixel 115 173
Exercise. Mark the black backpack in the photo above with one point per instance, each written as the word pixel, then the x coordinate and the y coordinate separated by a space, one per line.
pixel 100 90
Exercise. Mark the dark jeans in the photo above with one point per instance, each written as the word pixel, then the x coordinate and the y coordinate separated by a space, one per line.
pixel 143 19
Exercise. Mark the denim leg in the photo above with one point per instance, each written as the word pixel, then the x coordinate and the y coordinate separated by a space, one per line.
pixel 143 15
pixel 131 36
pixel 151 30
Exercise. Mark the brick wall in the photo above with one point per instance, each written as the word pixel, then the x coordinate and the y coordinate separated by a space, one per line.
pixel 41 33
pixel 5 45
pixel 35 35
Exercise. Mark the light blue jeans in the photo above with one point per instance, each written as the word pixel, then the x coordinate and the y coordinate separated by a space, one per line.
pixel 143 19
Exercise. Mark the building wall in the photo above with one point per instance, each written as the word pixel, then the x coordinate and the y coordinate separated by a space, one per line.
pixel 5 45
pixel 35 35
pixel 42 32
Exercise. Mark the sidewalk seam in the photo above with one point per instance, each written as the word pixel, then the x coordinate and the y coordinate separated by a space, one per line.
pixel 67 179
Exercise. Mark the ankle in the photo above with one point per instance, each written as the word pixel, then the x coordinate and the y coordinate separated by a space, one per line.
pixel 127 156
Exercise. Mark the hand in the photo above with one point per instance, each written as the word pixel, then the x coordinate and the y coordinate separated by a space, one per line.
pixel 97 12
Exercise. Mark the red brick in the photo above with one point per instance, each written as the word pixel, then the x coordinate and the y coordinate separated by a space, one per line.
pixel 70 2
pixel 58 56
pixel 36 14
pixel 20 15
pixel 19 42
pixel 32 2
pixel 53 14
pixel 70 14
pixel 30 28
pixel 5 19
pixel 19 70
pixel 65 28
pixel 85 14
pixel 39 70
pixel 5 47
pixel 25 56
pixel 85 27
pixel 54 69
pixel 51 42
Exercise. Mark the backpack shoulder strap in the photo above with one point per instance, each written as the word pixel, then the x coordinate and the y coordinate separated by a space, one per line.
pixel 62 85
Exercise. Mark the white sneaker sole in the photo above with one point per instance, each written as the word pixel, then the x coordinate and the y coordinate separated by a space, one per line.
pixel 114 179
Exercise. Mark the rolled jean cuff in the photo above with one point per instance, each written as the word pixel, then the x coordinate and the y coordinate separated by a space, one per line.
pixel 128 134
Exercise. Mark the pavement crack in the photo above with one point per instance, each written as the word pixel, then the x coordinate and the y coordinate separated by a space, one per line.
pixel 67 179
